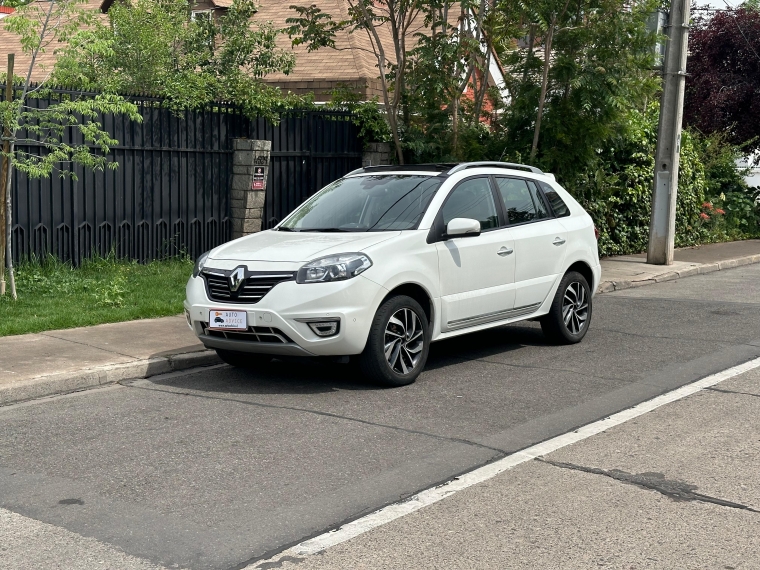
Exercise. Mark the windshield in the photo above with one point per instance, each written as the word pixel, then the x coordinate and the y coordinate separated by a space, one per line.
pixel 366 203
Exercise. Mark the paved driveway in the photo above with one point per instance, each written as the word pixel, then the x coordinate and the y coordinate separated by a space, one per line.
pixel 215 468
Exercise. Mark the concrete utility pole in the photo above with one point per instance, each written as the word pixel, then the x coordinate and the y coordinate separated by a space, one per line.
pixel 662 227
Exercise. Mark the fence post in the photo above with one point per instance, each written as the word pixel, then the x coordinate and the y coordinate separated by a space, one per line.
pixel 376 154
pixel 250 170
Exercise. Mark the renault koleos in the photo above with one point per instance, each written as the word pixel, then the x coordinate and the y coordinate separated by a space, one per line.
pixel 386 260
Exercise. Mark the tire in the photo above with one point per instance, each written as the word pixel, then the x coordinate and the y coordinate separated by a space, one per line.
pixel 570 314
pixel 399 315
pixel 243 359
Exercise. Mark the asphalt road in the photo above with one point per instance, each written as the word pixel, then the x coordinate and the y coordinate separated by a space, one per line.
pixel 219 467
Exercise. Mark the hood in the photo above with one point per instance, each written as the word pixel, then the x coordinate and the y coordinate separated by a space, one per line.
pixel 301 246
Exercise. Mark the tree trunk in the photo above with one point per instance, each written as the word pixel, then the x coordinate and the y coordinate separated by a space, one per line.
pixel 529 55
pixel 13 131
pixel 8 227
pixel 544 87
pixel 480 93
pixel 455 126
pixel 5 175
pixel 391 110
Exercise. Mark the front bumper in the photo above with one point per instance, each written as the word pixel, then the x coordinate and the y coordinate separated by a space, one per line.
pixel 274 326
pixel 597 271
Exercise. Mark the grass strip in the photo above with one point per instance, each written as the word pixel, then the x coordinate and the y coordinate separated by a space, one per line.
pixel 55 295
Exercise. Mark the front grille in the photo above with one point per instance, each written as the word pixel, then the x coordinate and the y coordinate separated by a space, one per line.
pixel 253 334
pixel 255 286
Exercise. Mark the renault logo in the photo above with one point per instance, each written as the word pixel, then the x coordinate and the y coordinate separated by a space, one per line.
pixel 237 277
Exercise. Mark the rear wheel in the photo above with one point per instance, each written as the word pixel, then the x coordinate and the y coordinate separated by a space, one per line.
pixel 243 359
pixel 570 315
pixel 398 343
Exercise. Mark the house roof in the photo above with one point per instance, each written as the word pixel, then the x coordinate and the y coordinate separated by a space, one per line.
pixel 106 4
pixel 10 43
pixel 352 62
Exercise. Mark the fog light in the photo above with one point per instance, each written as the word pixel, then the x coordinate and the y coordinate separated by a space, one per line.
pixel 322 327
pixel 187 318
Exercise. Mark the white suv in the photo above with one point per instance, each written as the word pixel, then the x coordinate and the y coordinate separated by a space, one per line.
pixel 388 259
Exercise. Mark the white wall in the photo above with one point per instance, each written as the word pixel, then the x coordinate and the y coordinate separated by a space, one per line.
pixel 754 162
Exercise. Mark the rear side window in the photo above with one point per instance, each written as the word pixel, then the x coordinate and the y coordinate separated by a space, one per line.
pixel 519 200
pixel 472 199
pixel 560 208
pixel 541 210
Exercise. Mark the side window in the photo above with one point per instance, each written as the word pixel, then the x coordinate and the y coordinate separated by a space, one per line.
pixel 560 208
pixel 517 200
pixel 541 210
pixel 472 199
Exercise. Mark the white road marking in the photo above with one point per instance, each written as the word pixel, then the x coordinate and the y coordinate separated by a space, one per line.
pixel 430 496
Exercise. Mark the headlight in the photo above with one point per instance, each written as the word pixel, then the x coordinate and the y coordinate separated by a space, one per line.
pixel 199 263
pixel 334 268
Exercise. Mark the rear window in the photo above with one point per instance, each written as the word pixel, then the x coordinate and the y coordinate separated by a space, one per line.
pixel 560 208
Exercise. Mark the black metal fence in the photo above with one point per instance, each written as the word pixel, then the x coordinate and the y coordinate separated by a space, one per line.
pixel 309 150
pixel 170 192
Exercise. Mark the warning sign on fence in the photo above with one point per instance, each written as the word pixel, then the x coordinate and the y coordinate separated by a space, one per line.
pixel 258 178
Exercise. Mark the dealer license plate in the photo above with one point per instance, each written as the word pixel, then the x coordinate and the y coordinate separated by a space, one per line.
pixel 227 320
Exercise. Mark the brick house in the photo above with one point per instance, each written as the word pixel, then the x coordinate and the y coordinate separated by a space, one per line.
pixel 351 63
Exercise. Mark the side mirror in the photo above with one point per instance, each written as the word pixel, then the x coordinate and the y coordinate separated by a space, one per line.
pixel 462 227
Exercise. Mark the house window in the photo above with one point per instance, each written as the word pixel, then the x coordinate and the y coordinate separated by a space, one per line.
pixel 201 15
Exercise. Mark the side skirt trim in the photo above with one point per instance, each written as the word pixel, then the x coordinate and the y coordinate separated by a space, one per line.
pixel 495 316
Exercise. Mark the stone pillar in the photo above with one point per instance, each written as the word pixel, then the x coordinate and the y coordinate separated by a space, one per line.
pixel 250 170
pixel 376 154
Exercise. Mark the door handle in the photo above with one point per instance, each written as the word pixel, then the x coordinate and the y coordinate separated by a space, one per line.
pixel 558 241
pixel 504 251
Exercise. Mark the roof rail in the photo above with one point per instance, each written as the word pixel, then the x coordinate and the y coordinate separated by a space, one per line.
pixel 443 168
pixel 403 168
pixel 492 164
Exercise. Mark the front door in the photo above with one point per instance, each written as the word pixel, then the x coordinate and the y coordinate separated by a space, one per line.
pixel 476 273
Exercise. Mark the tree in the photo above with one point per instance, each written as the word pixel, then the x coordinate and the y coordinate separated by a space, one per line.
pixel 39 27
pixel 154 47
pixel 439 41
pixel 451 54
pixel 723 85
pixel 393 18
pixel 599 67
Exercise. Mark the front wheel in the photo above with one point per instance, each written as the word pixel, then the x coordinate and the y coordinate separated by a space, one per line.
pixel 398 343
pixel 570 314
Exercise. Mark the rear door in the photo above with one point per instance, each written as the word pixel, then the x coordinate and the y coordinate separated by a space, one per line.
pixel 539 241
pixel 476 273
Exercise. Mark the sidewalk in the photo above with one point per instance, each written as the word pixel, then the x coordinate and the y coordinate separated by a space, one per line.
pixel 55 362
pixel 660 491
pixel 626 271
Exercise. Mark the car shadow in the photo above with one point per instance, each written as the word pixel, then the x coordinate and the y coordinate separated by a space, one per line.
pixel 484 344
pixel 316 376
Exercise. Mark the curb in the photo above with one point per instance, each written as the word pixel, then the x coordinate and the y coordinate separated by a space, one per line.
pixel 609 286
pixel 56 384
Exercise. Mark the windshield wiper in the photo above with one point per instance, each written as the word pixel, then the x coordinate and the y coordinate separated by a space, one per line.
pixel 284 229
pixel 329 230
